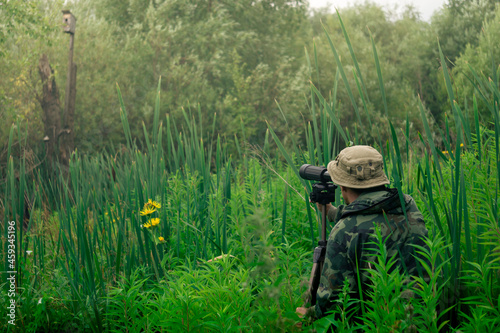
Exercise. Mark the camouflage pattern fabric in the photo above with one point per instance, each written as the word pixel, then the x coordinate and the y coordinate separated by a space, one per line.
pixel 350 244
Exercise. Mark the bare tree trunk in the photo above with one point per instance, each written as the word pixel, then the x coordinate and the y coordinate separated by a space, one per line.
pixel 51 107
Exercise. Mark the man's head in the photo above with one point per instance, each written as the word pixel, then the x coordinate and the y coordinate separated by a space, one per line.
pixel 358 168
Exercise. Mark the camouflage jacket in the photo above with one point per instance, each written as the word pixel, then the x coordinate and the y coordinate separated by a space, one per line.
pixel 350 244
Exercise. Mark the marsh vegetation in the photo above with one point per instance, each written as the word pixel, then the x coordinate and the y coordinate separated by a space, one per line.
pixel 190 216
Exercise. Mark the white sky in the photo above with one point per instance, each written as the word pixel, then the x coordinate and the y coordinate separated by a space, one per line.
pixel 425 7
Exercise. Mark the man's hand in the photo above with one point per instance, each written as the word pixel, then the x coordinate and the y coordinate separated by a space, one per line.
pixel 331 211
pixel 307 313
pixel 320 207
pixel 301 312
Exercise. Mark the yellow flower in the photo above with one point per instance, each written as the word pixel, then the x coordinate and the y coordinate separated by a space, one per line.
pixel 152 204
pixel 161 239
pixel 154 221
pixel 155 204
pixel 147 210
pixel 146 225
pixel 150 207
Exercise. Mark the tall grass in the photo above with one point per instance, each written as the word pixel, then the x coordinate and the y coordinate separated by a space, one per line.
pixel 95 239
pixel 91 258
pixel 457 184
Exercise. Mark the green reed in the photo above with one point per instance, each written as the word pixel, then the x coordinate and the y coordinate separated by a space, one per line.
pixel 95 237
pixel 458 188
pixel 214 203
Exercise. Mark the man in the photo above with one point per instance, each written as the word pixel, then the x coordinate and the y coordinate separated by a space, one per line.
pixel 360 174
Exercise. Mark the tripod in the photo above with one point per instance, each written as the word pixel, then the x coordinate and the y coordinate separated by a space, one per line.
pixel 323 193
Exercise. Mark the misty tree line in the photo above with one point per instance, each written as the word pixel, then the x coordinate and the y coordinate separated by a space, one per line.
pixel 235 61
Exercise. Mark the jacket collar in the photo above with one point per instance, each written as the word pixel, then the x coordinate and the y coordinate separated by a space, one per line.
pixel 374 202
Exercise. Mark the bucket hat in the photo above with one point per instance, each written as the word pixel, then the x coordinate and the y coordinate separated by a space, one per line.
pixel 358 167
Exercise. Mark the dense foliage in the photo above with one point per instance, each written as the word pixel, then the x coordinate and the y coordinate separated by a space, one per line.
pixel 233 61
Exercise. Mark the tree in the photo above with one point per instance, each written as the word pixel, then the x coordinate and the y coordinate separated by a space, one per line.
pixel 51 107
pixel 457 27
pixel 483 58
pixel 403 50
pixel 460 23
pixel 24 31
pixel 232 58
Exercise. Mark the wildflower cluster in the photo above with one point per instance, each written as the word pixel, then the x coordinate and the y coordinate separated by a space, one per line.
pixel 151 207
pixel 447 154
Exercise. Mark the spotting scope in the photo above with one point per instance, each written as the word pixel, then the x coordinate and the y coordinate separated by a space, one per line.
pixel 322 192
pixel 312 172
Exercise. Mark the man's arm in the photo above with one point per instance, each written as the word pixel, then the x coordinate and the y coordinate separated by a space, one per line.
pixel 336 269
